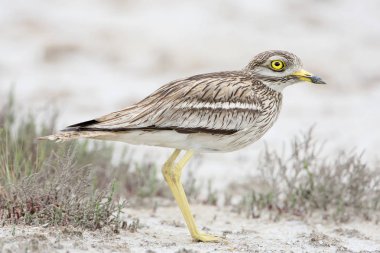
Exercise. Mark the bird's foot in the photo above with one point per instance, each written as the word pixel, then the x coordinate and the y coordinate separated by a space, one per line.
pixel 202 237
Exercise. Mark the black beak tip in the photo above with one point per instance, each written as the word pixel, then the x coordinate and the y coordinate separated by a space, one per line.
pixel 317 80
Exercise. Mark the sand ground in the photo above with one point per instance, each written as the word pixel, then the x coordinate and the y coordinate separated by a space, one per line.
pixel 164 231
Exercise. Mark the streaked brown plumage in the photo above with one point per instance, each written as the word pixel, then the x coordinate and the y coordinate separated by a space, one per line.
pixel 215 112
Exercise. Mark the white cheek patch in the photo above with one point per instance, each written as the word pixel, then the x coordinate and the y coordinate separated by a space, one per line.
pixel 265 71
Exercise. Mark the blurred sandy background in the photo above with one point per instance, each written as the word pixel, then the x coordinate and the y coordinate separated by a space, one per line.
pixel 91 57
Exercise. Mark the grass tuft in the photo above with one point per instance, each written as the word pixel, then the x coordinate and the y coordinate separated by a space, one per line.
pixel 304 181
pixel 49 184
pixel 60 194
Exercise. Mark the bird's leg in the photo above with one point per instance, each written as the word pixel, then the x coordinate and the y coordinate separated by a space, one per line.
pixel 172 174
pixel 176 177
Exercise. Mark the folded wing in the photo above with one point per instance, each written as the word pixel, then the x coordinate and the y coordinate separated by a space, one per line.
pixel 219 103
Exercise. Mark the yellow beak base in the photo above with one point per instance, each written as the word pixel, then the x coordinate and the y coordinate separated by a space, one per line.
pixel 306 76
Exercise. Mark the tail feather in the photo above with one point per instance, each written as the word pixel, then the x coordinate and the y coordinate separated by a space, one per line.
pixel 72 135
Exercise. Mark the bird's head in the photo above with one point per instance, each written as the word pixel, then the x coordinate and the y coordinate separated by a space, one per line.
pixel 278 69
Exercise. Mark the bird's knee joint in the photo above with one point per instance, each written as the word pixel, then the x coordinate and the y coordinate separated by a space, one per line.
pixel 176 175
pixel 170 172
pixel 166 170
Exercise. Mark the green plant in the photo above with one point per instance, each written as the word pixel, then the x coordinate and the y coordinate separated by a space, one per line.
pixel 46 183
pixel 304 181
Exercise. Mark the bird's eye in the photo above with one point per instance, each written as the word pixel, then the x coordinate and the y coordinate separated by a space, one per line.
pixel 277 65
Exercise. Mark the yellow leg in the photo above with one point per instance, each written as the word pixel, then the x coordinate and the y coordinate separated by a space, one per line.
pixel 172 174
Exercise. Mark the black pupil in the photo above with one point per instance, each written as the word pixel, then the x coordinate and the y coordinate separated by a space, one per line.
pixel 277 64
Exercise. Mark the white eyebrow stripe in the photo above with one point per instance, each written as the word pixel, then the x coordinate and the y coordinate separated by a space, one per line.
pixel 218 105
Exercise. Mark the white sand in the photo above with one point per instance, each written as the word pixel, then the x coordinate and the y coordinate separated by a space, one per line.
pixel 164 231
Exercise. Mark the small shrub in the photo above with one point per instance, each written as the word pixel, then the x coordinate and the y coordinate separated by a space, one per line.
pixel 304 181
pixel 61 194
pixel 51 184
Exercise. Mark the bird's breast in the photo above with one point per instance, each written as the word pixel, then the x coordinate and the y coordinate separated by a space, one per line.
pixel 271 106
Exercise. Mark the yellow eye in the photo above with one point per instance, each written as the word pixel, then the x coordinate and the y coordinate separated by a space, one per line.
pixel 277 65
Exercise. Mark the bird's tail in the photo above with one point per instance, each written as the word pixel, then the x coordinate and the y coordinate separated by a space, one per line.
pixel 72 135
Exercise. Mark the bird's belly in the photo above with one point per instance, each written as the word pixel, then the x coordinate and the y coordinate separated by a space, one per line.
pixel 201 142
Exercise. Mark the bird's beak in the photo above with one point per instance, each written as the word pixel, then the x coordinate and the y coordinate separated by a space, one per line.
pixel 308 77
